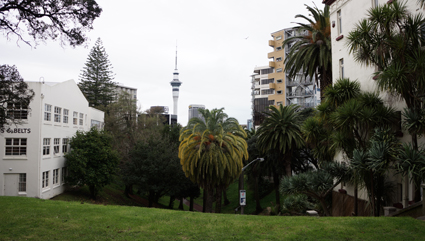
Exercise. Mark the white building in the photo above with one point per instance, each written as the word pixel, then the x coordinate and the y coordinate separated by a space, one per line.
pixel 194 111
pixel 33 163
pixel 121 89
pixel 344 15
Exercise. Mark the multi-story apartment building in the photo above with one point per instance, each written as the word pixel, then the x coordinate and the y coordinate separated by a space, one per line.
pixel 32 162
pixel 121 88
pixel 343 19
pixel 271 84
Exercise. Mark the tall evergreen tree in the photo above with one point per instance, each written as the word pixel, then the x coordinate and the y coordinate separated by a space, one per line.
pixel 96 77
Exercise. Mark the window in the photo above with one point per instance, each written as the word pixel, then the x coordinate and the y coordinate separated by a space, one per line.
pixel 341 68
pixel 64 145
pixel 96 123
pixel 279 81
pixel 339 22
pixel 279 70
pixel 45 180
pixel 279 48
pixel 267 71
pixel 47 112
pixel 56 143
pixel 267 92
pixel 279 92
pixel 17 111
pixel 16 147
pixel 56 176
pixel 75 118
pixel 279 37
pixel 58 112
pixel 22 182
pixel 46 146
pixel 279 103
pixel 267 81
pixel 81 119
pixel 65 115
pixel 278 59
pixel 374 3
pixel 64 174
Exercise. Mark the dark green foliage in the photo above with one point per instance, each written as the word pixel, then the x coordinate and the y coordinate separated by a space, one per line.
pixel 63 19
pixel 15 96
pixel 92 161
pixel 296 204
pixel 311 53
pixel 96 77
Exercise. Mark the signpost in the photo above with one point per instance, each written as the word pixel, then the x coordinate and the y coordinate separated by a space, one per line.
pixel 242 199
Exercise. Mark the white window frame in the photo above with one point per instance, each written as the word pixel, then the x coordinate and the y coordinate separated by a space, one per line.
pixel 17 111
pixel 65 116
pixel 22 182
pixel 58 114
pixel 46 146
pixel 339 21
pixel 81 119
pixel 65 142
pixel 375 3
pixel 55 176
pixel 45 180
pixel 47 112
pixel 75 118
pixel 15 147
pixel 56 145
pixel 341 68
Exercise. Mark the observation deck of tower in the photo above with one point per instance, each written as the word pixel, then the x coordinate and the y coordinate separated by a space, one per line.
pixel 175 84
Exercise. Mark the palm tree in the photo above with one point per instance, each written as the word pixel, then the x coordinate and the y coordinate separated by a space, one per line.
pixel 391 39
pixel 311 52
pixel 211 152
pixel 279 135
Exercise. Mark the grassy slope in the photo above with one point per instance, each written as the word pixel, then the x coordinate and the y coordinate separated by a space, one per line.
pixel 29 218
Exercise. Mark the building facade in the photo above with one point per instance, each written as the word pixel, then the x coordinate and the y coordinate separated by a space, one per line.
pixel 119 89
pixel 33 163
pixel 194 111
pixel 343 19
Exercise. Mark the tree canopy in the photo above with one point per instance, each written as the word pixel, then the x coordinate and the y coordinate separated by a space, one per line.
pixel 96 77
pixel 63 19
pixel 15 96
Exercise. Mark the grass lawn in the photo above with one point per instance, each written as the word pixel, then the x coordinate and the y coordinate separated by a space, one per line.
pixel 29 218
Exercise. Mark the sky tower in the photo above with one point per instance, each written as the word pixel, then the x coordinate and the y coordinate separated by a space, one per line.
pixel 176 85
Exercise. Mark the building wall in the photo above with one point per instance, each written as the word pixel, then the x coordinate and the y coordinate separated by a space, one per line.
pixel 193 111
pixel 277 62
pixel 65 95
pixel 344 15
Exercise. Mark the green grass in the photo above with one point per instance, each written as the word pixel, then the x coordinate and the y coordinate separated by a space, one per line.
pixel 35 219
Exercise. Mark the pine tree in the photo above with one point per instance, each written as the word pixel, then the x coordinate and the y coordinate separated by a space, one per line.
pixel 96 77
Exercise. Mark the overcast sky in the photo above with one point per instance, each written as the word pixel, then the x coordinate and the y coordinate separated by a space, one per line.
pixel 219 44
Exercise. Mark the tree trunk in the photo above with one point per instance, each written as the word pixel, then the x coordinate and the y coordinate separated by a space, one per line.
pixel 356 200
pixel 151 198
pixel 171 203
pixel 204 200
pixel 128 190
pixel 93 192
pixel 258 208
pixel 218 201
pixel 325 207
pixel 276 182
pixel 191 204
pixel 418 191
pixel 181 204
pixel 226 201
pixel 209 200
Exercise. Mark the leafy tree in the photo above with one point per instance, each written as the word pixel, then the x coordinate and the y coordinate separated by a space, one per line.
pixel 66 20
pixel 15 96
pixel 311 52
pixel 121 122
pixel 279 135
pixel 391 39
pixel 91 161
pixel 96 77
pixel 211 152
pixel 317 184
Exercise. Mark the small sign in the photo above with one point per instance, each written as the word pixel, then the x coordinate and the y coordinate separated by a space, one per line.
pixel 242 198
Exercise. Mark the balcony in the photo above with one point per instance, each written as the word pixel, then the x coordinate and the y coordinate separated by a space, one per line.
pixel 272 86
pixel 272 64
pixel 270 55
pixel 299 93
pixel 271 43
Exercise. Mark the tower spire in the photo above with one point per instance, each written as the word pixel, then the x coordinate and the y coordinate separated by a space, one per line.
pixel 175 84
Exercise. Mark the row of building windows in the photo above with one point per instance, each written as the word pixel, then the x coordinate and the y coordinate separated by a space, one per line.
pixel 18 146
pixel 56 181
pixel 77 118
